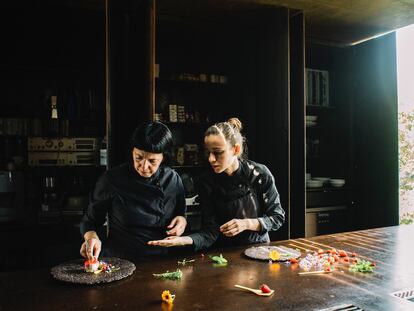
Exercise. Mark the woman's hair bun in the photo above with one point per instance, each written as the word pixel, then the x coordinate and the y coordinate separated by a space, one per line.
pixel 236 123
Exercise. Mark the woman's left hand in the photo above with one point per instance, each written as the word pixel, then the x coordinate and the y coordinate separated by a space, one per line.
pixel 172 241
pixel 177 226
pixel 234 227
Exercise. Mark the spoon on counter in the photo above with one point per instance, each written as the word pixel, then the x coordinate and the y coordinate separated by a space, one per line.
pixel 315 272
pixel 255 291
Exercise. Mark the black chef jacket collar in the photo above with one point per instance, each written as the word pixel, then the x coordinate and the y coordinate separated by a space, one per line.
pixel 238 175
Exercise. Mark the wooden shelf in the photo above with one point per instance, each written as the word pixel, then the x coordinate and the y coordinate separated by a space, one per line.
pixel 316 107
pixel 328 189
pixel 190 82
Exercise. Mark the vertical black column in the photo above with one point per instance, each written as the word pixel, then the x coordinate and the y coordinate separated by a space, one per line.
pixel 297 169
pixel 271 140
pixel 128 73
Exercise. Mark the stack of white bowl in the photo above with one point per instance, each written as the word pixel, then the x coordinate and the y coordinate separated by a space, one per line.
pixel 324 180
pixel 311 121
pixel 337 182
pixel 311 183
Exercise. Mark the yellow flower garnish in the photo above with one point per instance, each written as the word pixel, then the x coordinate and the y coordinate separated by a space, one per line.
pixel 167 296
pixel 274 255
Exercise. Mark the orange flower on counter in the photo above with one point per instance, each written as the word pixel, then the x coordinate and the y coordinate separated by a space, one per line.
pixel 274 255
pixel 167 296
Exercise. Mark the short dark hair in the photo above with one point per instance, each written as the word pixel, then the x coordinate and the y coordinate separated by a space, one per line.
pixel 152 136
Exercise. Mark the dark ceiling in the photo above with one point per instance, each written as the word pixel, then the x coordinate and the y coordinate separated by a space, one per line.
pixel 348 22
pixel 334 22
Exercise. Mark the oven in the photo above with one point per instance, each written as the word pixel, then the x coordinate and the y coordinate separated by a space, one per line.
pixel 327 211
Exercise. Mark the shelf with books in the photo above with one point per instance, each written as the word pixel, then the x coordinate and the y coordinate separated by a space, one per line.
pixel 317 85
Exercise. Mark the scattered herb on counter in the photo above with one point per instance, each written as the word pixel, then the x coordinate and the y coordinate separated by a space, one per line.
pixel 176 275
pixel 185 261
pixel 363 266
pixel 219 259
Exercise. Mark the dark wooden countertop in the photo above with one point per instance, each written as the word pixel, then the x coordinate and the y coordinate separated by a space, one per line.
pixel 206 287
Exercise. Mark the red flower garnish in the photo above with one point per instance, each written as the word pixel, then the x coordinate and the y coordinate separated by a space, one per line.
pixel 91 261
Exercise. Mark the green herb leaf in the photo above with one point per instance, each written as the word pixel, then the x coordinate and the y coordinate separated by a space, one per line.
pixel 219 259
pixel 185 261
pixel 176 275
pixel 363 266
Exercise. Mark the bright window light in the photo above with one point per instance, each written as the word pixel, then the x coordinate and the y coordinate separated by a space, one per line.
pixel 405 75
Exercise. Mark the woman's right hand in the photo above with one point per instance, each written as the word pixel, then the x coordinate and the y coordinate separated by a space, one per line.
pixel 91 248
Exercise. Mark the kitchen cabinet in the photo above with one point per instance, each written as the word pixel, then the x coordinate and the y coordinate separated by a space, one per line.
pixel 52 123
pixel 355 137
pixel 53 101
pixel 216 66
pixel 328 205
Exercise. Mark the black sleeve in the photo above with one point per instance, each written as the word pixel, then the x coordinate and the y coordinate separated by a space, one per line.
pixel 209 228
pixel 99 205
pixel 180 207
pixel 273 213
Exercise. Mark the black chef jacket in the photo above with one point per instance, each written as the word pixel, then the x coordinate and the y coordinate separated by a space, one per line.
pixel 139 209
pixel 249 193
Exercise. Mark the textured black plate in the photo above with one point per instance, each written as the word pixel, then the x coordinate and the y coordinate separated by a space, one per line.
pixel 73 271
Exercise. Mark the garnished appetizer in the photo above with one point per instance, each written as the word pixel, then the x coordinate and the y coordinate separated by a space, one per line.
pixel 91 265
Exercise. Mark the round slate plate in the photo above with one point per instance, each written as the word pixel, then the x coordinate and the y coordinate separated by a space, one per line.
pixel 262 252
pixel 73 271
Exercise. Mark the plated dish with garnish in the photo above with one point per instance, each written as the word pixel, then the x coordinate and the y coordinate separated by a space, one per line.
pixel 93 271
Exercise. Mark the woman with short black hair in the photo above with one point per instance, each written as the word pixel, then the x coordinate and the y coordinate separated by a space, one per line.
pixel 144 200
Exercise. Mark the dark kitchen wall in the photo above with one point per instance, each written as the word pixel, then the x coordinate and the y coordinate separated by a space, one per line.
pixel 375 116
pixel 48 46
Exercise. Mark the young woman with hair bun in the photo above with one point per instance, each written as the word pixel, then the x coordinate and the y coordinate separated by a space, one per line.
pixel 239 199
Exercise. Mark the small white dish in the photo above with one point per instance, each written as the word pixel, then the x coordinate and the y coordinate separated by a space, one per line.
pixel 311 118
pixel 323 179
pixel 310 123
pixel 314 183
pixel 337 183
pixel 335 180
